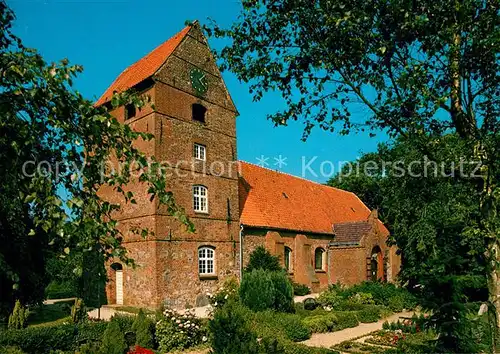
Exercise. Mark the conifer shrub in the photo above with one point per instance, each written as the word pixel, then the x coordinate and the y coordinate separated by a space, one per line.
pixel 113 341
pixel 78 312
pixel 257 290
pixel 261 258
pixel 283 292
pixel 19 317
pixel 143 329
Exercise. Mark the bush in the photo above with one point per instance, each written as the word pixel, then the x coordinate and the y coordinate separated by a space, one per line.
pixel 231 332
pixel 346 320
pixel 321 323
pixel 396 303
pixel 283 292
pixel 125 322
pixel 175 331
pixel 300 289
pixel 261 258
pixel 330 298
pixel 227 292
pixel 369 314
pixel 362 298
pixel 10 350
pixel 90 332
pixel 143 329
pixel 41 339
pixel 283 326
pixel 19 317
pixel 257 290
pixel 78 312
pixel 113 341
pixel 60 290
pixel 310 304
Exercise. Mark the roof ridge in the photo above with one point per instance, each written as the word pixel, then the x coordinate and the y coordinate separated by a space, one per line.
pixel 294 176
pixel 352 222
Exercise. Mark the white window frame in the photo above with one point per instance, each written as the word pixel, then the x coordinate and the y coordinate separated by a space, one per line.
pixel 206 260
pixel 200 198
pixel 200 152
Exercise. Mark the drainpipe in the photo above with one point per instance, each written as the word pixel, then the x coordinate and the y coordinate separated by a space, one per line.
pixel 241 252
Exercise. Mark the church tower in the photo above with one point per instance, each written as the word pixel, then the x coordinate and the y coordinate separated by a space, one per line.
pixel 193 120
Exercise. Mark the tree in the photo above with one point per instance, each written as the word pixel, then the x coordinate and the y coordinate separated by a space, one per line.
pixel 417 69
pixel 429 218
pixel 54 145
pixel 113 340
pixel 261 258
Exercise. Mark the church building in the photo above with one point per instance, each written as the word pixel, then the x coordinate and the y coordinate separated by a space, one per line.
pixel 323 235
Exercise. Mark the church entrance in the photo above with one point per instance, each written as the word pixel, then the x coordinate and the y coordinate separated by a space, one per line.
pixel 377 264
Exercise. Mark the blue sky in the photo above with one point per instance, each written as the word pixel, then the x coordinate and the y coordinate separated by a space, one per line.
pixel 107 36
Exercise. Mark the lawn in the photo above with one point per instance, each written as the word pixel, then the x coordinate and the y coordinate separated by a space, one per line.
pixel 51 314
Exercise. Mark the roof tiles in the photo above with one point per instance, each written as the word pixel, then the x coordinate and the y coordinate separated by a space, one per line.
pixel 143 68
pixel 271 199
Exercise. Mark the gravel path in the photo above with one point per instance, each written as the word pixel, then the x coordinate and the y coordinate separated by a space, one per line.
pixel 327 340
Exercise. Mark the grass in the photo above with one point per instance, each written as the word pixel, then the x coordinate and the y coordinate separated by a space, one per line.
pixel 50 314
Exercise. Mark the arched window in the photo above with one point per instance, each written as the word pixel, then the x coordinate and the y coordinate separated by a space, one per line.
pixel 200 199
pixel 319 259
pixel 199 112
pixel 206 260
pixel 288 259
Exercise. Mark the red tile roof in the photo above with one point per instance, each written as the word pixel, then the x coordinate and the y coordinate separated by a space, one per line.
pixel 144 68
pixel 276 200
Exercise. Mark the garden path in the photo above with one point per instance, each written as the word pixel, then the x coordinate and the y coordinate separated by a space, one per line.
pixel 327 340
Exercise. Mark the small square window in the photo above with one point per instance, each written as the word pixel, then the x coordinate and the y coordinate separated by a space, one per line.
pixel 200 152
pixel 199 112
pixel 129 111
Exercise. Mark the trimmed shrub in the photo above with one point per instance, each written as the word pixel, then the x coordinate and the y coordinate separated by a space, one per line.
pixel 113 341
pixel 231 331
pixel 310 304
pixel 19 317
pixel 41 339
pixel 90 332
pixel 369 314
pixel 283 292
pixel 320 323
pixel 257 290
pixel 125 322
pixel 261 258
pixel 300 289
pixel 143 329
pixel 346 320
pixel 78 312
pixel 283 326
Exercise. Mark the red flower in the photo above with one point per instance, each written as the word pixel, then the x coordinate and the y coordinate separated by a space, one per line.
pixel 140 350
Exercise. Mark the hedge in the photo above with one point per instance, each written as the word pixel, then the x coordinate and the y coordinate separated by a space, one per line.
pixel 64 337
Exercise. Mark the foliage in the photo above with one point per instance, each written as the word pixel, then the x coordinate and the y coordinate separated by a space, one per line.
pixel 54 145
pixel 281 326
pixel 230 330
pixel 369 314
pixel 283 292
pixel 261 258
pixel 257 290
pixel 143 329
pixel 19 317
pixel 176 331
pixel 10 350
pixel 362 298
pixel 331 322
pixel 113 341
pixel 428 74
pixel 60 290
pixel 310 304
pixel 79 312
pixel 40 339
pixel 227 292
pixel 300 289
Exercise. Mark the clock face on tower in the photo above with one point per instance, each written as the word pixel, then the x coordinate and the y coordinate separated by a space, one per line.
pixel 199 81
